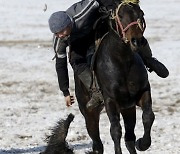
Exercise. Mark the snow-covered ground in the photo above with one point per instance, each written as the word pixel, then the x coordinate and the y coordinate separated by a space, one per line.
pixel 31 102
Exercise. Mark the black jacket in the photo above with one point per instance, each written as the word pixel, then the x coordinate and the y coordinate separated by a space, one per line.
pixel 83 15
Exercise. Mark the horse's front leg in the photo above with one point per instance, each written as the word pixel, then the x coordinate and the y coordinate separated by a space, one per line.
pixel 129 116
pixel 115 128
pixel 148 117
pixel 92 125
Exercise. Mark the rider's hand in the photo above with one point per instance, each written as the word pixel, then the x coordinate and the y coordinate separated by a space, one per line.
pixel 69 100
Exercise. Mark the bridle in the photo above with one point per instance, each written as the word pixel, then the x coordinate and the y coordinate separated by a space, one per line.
pixel 140 22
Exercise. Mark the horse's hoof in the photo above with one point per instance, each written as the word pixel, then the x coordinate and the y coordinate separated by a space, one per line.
pixel 130 145
pixel 142 146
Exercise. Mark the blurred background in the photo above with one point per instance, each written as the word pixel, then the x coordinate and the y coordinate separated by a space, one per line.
pixel 30 99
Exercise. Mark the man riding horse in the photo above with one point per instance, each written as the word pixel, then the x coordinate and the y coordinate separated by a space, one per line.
pixel 74 28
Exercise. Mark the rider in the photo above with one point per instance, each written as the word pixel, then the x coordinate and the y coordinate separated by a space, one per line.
pixel 73 28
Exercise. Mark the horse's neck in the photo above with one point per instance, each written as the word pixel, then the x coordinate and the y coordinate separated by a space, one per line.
pixel 121 49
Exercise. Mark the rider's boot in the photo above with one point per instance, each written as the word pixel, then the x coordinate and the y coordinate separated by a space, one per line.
pixel 152 63
pixel 96 97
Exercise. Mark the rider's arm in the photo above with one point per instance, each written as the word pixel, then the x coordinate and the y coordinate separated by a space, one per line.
pixel 62 73
pixel 61 64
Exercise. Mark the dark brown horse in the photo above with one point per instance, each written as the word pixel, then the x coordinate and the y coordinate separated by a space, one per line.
pixel 123 80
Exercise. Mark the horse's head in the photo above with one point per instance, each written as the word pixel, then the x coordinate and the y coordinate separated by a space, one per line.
pixel 130 22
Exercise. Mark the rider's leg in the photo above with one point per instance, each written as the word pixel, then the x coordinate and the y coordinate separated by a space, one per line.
pixel 82 70
pixel 152 63
pixel 96 97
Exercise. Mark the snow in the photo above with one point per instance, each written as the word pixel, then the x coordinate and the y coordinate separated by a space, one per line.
pixel 31 102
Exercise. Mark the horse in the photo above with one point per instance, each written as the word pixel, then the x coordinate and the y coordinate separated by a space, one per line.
pixel 123 80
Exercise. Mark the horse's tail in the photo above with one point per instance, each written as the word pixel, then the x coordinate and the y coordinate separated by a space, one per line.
pixel 57 140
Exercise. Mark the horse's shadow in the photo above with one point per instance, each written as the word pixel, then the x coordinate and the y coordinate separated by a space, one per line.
pixel 81 146
pixel 40 149
pixel 18 150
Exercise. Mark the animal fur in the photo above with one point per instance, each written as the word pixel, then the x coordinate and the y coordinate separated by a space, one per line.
pixel 57 140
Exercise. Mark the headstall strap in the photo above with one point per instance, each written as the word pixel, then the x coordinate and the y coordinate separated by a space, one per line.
pixel 141 24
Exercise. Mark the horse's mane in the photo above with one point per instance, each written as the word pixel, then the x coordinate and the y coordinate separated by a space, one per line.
pixel 130 1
